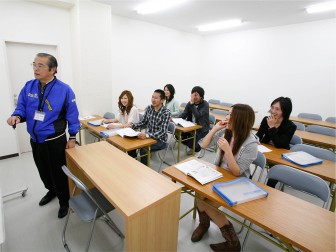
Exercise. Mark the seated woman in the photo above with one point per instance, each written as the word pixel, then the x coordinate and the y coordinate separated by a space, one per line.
pixel 237 149
pixel 170 102
pixel 128 113
pixel 276 129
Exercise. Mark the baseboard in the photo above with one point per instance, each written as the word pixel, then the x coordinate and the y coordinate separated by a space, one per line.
pixel 9 156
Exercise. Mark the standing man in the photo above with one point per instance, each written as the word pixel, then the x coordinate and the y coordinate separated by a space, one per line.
pixel 48 106
pixel 156 119
pixel 197 111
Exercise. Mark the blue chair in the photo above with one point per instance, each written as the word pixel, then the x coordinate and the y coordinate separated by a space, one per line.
pixel 226 104
pixel 295 140
pixel 213 101
pixel 321 130
pixel 170 144
pixel 299 126
pixel 220 111
pixel 331 119
pixel 315 151
pixel 109 115
pixel 89 205
pixel 310 116
pixel 260 161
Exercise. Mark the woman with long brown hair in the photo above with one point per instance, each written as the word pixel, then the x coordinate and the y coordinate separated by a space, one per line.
pixel 237 149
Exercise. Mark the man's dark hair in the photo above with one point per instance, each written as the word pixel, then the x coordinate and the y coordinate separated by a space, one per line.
pixel 198 90
pixel 52 60
pixel 161 92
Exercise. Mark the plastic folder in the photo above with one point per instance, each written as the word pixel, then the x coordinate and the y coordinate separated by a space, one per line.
pixel 239 190
pixel 301 158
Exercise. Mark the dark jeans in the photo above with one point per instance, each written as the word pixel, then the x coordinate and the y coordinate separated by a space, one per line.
pixel 49 158
pixel 189 142
pixel 159 145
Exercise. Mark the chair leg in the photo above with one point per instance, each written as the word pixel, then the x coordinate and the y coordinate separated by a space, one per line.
pixel 64 229
pixel 113 226
pixel 90 236
pixel 246 236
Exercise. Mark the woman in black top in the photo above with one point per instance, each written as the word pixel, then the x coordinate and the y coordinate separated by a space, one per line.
pixel 276 129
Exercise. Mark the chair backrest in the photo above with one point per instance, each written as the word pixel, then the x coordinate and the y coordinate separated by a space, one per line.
pixel 109 115
pixel 295 140
pixel 321 130
pixel 331 119
pixel 212 120
pixel 301 181
pixel 260 160
pixel 183 104
pixel 310 116
pixel 171 128
pixel 226 104
pixel 219 111
pixel 78 183
pixel 315 151
pixel 213 101
pixel 299 126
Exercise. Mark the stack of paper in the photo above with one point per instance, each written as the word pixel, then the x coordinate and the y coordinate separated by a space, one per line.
pixel 301 158
pixel 199 171
pixel 182 122
pixel 127 132
pixel 109 133
pixel 239 190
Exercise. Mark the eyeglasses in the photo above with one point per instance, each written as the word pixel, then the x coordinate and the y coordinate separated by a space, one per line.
pixel 38 66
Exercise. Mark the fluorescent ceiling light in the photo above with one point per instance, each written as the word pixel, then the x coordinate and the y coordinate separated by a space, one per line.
pixel 328 6
pixel 220 25
pixel 157 5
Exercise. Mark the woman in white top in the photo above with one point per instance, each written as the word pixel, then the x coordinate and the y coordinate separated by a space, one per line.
pixel 170 101
pixel 128 113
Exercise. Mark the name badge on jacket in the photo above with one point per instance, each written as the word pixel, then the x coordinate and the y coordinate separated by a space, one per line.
pixel 39 116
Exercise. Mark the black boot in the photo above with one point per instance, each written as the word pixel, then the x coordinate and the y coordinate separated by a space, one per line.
pixel 232 242
pixel 202 227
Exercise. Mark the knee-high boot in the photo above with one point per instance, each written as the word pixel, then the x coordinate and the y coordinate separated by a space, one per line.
pixel 202 227
pixel 232 242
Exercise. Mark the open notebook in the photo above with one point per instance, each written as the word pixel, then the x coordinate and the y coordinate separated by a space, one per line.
pixel 301 158
pixel 239 190
pixel 199 171
pixel 182 122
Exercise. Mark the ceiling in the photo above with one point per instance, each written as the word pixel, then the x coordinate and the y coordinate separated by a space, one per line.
pixel 254 13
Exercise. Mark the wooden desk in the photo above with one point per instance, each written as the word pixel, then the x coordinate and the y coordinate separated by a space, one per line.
pixel 149 203
pixel 326 170
pixel 308 121
pixel 219 117
pixel 315 138
pixel 217 106
pixel 296 222
pixel 125 144
pixel 179 131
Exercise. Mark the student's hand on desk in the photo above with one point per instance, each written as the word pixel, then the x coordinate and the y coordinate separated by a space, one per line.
pixel 70 144
pixel 142 135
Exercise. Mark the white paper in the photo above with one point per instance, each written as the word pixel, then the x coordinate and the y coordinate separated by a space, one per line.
pixel 117 125
pixel 86 117
pixel 301 158
pixel 182 122
pixel 263 149
pixel 128 132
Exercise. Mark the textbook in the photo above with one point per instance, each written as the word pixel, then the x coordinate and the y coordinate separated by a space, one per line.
pixel 182 122
pixel 239 190
pixel 127 132
pixel 109 133
pixel 199 171
pixel 301 158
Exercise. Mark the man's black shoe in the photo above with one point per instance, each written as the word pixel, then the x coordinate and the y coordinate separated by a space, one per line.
pixel 63 211
pixel 46 199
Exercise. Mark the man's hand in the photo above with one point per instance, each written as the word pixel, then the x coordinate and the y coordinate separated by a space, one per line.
pixel 13 120
pixel 71 144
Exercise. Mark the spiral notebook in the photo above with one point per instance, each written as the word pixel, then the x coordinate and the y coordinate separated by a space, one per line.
pixel 239 190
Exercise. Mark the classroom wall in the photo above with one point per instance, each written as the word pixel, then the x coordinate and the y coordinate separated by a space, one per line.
pixel 145 57
pixel 257 66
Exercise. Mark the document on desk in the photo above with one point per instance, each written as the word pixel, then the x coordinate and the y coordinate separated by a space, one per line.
pixel 182 122
pixel 301 158
pixel 127 132
pixel 199 171
pixel 95 122
pixel 86 117
pixel 239 190
pixel 263 149
pixel 109 133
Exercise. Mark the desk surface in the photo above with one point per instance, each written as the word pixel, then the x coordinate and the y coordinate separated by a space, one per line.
pixel 302 224
pixel 129 185
pixel 315 138
pixel 326 170
pixel 188 129
pixel 313 122
pixel 128 144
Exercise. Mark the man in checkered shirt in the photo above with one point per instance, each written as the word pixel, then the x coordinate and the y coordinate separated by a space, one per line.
pixel 156 120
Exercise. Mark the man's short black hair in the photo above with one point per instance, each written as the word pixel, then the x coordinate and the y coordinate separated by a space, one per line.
pixel 161 92
pixel 198 90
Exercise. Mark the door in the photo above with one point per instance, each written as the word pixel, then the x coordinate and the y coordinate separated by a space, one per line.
pixel 19 58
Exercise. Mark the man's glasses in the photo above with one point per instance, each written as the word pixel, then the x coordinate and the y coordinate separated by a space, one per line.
pixel 38 66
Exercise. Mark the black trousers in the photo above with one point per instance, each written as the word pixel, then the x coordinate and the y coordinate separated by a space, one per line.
pixel 49 158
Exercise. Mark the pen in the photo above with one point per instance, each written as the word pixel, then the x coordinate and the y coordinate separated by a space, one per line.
pixel 14 126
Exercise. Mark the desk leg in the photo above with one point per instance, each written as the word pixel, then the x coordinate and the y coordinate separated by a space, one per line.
pixel 194 143
pixel 148 156
pixel 179 138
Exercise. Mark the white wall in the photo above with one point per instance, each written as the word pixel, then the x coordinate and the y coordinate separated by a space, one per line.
pixel 255 67
pixel 145 57
pixel 29 23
